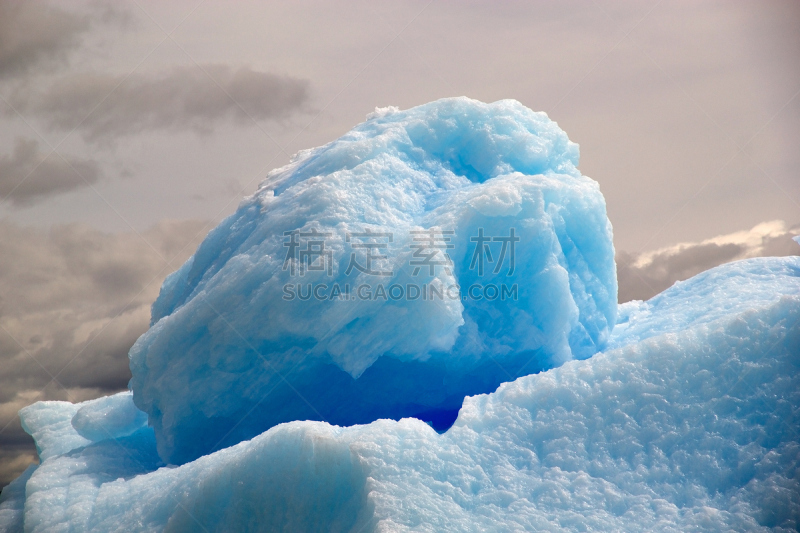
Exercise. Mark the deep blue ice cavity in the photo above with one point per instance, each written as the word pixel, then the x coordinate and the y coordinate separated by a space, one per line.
pixel 247 334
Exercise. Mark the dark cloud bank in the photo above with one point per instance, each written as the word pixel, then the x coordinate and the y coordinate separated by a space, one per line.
pixel 28 175
pixel 104 106
pixel 36 42
pixel 35 35
pixel 72 302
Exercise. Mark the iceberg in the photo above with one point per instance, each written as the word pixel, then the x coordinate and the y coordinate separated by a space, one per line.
pixel 424 256
pixel 690 422
pixel 679 413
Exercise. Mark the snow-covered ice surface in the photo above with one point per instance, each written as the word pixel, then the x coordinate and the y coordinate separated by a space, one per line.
pixel 231 353
pixel 687 419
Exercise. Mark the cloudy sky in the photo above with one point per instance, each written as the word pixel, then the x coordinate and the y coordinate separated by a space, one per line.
pixel 129 129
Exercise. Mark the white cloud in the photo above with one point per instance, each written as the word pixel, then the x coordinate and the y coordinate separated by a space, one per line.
pixel 644 275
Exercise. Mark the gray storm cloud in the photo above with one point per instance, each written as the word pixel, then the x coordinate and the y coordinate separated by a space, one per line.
pixel 74 300
pixel 103 106
pixel 29 174
pixel 34 34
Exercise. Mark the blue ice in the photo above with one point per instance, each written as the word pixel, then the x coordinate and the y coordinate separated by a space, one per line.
pixel 239 344
pixel 682 417
pixel 691 428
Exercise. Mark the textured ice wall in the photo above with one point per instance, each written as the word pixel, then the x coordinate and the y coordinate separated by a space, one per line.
pixel 12 503
pixel 690 424
pixel 238 344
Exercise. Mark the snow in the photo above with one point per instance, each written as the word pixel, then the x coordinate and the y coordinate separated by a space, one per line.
pixel 684 416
